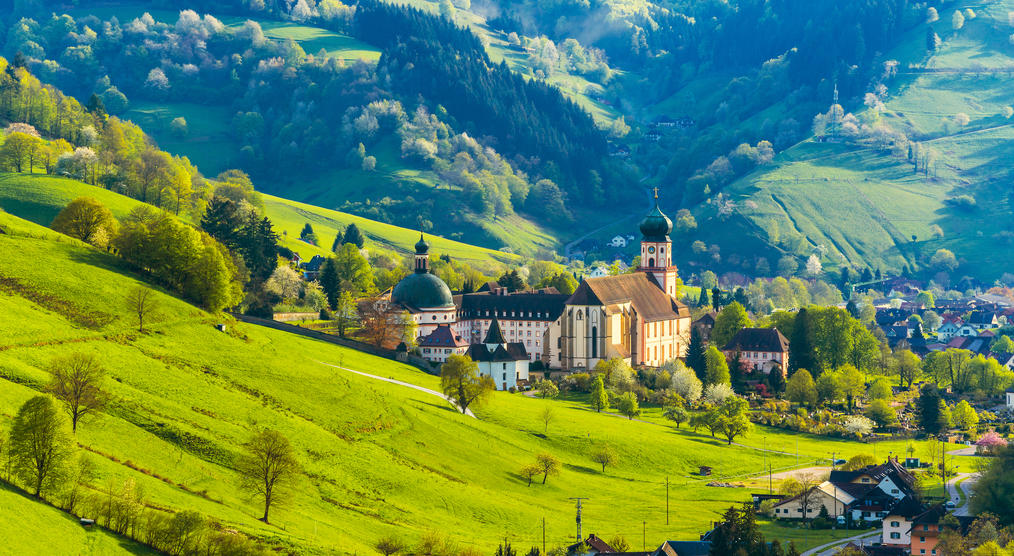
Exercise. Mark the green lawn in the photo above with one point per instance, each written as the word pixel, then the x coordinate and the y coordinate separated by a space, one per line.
pixel 379 458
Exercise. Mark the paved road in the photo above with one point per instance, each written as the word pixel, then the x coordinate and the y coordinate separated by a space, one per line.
pixel 966 481
pixel 969 451
pixel 831 548
pixel 401 383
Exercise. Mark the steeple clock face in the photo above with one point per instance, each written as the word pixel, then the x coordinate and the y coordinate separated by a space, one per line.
pixel 651 250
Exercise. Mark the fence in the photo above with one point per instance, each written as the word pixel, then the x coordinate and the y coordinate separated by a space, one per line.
pixel 413 360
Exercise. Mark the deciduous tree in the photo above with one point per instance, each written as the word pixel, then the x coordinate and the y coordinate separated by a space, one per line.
pixel 142 304
pixel 77 382
pixel 599 399
pixel 461 382
pixel 801 389
pixel 86 219
pixel 548 465
pixel 730 320
pixel 40 446
pixel 268 467
pixel 604 455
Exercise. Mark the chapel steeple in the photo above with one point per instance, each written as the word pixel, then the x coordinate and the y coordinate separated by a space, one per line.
pixel 656 248
pixel 422 256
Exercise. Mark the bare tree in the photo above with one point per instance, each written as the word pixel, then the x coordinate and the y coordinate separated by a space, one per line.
pixel 76 382
pixel 547 415
pixel 142 304
pixel 807 495
pixel 268 467
pixel 604 455
pixel 383 325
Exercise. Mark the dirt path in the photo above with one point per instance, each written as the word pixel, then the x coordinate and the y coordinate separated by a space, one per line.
pixel 401 383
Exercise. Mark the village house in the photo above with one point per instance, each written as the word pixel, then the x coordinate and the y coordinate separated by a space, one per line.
pixel 897 524
pixel 760 350
pixel 926 529
pixel 441 344
pixel 948 329
pixel 983 320
pixel 618 241
pixel 705 324
pixel 868 494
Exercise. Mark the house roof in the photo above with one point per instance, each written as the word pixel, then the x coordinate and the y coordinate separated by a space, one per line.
pixel 707 319
pixel 982 317
pixel 908 507
pixel 514 351
pixel 443 336
pixel 639 289
pixel 758 339
pixel 494 335
pixel 684 548
pixel 543 305
pixel 597 545
pixel 974 344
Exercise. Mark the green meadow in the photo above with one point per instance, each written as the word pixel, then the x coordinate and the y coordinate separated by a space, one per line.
pixel 39 198
pixel 378 458
pixel 31 527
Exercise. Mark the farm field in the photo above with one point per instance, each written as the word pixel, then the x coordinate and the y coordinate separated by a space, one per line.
pixel 39 198
pixel 378 458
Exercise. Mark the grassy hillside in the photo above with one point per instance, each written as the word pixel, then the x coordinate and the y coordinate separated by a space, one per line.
pixel 863 205
pixel 39 198
pixel 53 531
pixel 378 458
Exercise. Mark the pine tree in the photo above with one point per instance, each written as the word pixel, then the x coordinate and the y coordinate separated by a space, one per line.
pixel 852 308
pixel 702 301
pixel 736 371
pixel 801 344
pixel 338 241
pixel 776 381
pixel 867 275
pixel 717 299
pixel 695 354
pixel 330 282
pixel 846 279
pixel 928 408
pixel 353 235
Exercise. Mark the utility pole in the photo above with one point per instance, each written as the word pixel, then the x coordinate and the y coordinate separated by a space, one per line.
pixel 644 536
pixel 543 536
pixel 578 499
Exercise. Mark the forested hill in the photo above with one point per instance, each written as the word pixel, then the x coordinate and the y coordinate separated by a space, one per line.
pixel 448 64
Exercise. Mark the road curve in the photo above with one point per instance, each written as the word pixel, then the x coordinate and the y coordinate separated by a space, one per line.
pixel 401 383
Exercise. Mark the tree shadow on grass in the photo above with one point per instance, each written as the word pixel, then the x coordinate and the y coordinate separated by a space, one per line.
pixel 581 469
pixel 445 406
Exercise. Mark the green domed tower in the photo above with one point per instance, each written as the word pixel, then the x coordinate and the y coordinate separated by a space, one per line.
pixel 656 249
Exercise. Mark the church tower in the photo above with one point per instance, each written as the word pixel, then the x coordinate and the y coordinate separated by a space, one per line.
pixel 656 249
pixel 422 256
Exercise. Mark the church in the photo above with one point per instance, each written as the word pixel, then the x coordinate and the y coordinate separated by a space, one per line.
pixel 635 317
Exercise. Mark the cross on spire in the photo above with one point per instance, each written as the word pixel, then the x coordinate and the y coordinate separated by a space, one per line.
pixel 656 193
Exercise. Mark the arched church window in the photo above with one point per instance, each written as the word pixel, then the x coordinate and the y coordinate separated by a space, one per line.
pixel 595 341
pixel 579 315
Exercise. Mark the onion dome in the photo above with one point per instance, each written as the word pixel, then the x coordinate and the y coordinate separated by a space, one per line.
pixel 422 247
pixel 423 291
pixel 656 226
